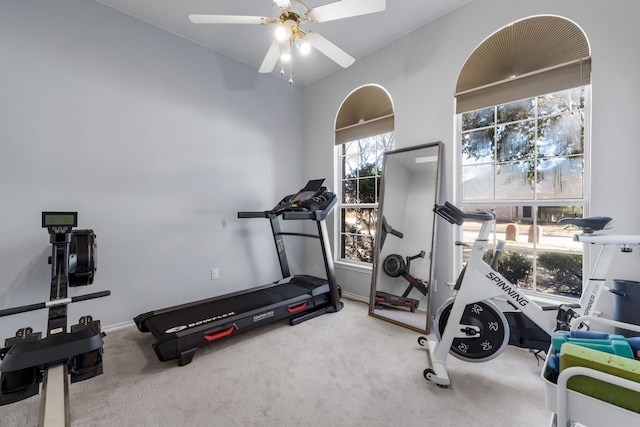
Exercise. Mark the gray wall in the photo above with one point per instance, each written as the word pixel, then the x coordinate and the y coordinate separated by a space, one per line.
pixel 156 142
pixel 420 71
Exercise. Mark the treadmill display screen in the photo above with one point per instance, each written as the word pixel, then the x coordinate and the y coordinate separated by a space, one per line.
pixel 309 190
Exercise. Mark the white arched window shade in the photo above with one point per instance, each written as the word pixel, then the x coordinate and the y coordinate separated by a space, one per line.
pixel 530 57
pixel 366 112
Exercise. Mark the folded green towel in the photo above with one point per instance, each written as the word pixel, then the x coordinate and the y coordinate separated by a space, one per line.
pixel 575 355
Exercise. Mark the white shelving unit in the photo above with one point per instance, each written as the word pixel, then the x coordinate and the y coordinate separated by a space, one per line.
pixel 570 406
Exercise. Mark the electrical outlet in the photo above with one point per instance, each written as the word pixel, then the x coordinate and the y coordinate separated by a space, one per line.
pixel 215 273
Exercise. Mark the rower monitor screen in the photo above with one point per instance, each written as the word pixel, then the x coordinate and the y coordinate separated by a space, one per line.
pixel 55 219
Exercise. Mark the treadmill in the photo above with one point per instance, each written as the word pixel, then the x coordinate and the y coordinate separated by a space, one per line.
pixel 182 329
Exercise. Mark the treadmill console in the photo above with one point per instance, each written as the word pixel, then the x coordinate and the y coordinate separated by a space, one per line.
pixel 311 198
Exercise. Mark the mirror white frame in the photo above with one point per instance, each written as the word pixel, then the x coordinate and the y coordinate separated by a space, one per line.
pixel 405 236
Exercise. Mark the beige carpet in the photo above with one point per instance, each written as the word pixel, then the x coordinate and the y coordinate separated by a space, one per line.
pixel 341 369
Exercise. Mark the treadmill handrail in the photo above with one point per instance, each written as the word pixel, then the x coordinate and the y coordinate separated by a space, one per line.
pixel 294 213
pixel 316 215
pixel 263 214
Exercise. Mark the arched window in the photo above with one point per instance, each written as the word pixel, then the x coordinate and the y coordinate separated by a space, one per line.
pixel 522 99
pixel 364 130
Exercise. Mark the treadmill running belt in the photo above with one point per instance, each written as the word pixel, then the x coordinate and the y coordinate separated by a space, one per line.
pixel 239 304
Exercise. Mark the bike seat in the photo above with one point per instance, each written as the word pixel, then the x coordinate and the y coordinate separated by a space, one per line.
pixel 589 225
pixel 457 216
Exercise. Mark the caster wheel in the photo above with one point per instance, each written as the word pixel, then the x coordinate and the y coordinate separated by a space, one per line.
pixel 422 341
pixel 428 372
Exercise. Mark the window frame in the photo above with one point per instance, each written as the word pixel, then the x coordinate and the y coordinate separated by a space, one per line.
pixel 339 179
pixel 535 203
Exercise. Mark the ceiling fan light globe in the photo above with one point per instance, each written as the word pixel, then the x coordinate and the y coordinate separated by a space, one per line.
pixel 283 32
pixel 304 48
pixel 285 56
pixel 280 33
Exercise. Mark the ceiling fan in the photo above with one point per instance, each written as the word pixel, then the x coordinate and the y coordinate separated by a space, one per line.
pixel 289 18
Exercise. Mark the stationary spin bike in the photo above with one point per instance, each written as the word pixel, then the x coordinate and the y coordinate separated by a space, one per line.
pixel 472 328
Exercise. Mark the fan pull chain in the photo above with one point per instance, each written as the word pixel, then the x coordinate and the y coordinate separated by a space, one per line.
pixel 290 71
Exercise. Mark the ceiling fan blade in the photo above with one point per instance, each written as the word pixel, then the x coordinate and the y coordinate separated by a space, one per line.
pixel 270 60
pixel 345 9
pixel 336 54
pixel 283 4
pixel 227 19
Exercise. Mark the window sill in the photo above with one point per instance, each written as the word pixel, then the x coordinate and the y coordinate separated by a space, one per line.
pixel 358 267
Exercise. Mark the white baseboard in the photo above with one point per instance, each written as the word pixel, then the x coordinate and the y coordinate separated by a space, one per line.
pixel 355 297
pixel 117 326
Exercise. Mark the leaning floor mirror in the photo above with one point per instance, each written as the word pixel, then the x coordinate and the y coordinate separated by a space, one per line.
pixel 402 260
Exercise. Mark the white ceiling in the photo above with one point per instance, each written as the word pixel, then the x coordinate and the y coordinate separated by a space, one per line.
pixel 357 36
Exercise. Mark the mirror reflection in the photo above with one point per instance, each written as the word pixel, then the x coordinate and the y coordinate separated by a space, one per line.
pixel 402 264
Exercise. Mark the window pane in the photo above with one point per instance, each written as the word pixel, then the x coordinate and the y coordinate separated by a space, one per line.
pixel 368 160
pixel 368 190
pixel 349 247
pixel 349 191
pixel 559 260
pixel 561 135
pixel 349 220
pixel 470 229
pixel 384 142
pixel 365 248
pixel 350 166
pixel 516 141
pixel 513 224
pixel 379 163
pixel 559 273
pixel 370 170
pixel 519 110
pixel 350 148
pixel 477 147
pixel 516 265
pixel 478 119
pixel 561 102
pixel 515 180
pixel 477 182
pixel 557 237
pixel 560 177
pixel 366 221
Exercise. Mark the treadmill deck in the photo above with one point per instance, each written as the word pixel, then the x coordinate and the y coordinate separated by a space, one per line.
pixel 180 330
